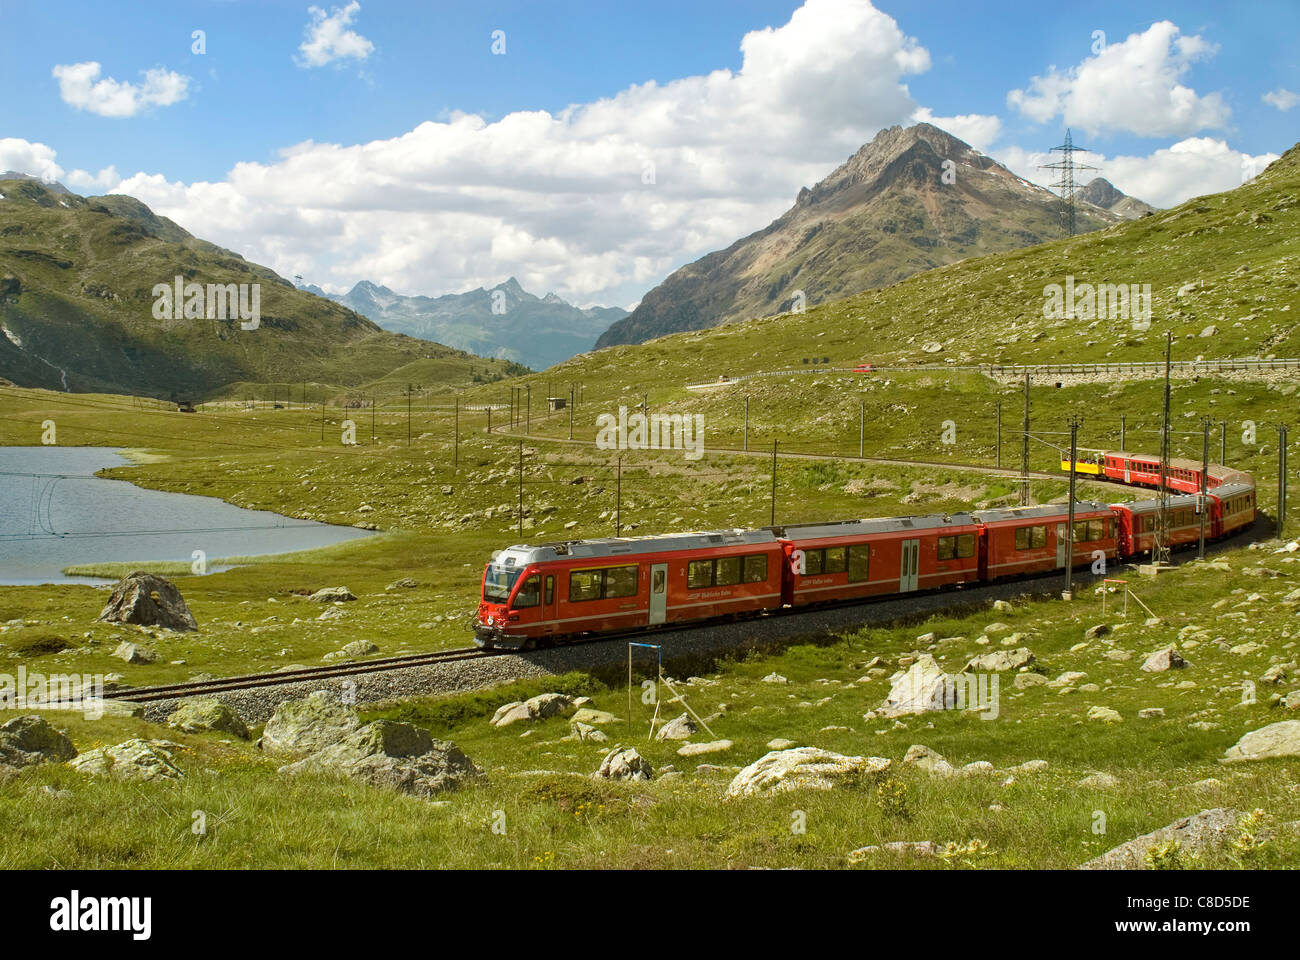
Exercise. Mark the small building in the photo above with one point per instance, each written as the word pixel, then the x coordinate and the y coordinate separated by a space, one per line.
pixel 185 406
pixel 557 403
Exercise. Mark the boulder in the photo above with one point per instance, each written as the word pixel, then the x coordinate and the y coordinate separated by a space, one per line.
pixel 922 688
pixel 203 714
pixel 1000 660
pixel 29 740
pixel 1194 834
pixel 349 651
pixel 1281 739
pixel 310 724
pixel 134 653
pixel 1104 714
pixel 395 755
pixel 695 749
pixel 801 768
pixel 780 743
pixel 535 708
pixel 1024 681
pixel 585 733
pixel 930 761
pixel 332 595
pixel 1151 713
pixel 148 600
pixel 775 678
pixel 1162 660
pixel 134 759
pixel 679 728
pixel 624 763
pixel 588 715
pixel 405 583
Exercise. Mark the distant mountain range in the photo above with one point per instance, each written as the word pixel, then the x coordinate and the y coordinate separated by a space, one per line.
pixel 912 199
pixel 79 312
pixel 1101 193
pixel 506 322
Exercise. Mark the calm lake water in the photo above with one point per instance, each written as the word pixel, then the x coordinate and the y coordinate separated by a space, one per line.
pixel 54 514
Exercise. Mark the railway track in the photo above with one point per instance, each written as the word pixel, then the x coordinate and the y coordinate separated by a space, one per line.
pixel 177 691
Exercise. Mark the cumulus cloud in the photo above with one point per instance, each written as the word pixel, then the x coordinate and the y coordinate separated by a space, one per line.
pixel 328 38
pixel 597 201
pixel 33 159
pixel 86 183
pixel 1165 178
pixel 81 87
pixel 1281 98
pixel 1134 86
pixel 980 130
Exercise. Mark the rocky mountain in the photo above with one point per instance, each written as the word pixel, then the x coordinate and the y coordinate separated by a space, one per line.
pixel 506 322
pixel 80 307
pixel 1101 193
pixel 909 200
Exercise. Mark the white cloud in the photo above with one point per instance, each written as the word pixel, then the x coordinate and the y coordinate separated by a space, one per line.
pixel 1132 86
pixel 1165 178
pixel 33 159
pixel 980 130
pixel 328 38
pixel 558 200
pixel 1281 98
pixel 80 87
pixel 87 184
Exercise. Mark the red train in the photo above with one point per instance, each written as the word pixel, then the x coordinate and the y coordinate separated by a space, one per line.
pixel 563 590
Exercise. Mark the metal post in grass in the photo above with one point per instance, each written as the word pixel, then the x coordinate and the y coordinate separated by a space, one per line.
pixel 528 416
pixel 521 488
pixel 408 414
pixel 747 424
pixel 659 652
pixel 773 520
pixel 999 429
pixel 1281 477
pixel 618 499
pixel 570 411
pixel 1223 442
pixel 1024 450
pixel 1123 431
pixel 1202 507
pixel 1069 524
pixel 862 427
pixel 489 418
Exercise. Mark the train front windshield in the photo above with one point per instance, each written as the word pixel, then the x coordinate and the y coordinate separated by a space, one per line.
pixel 499 582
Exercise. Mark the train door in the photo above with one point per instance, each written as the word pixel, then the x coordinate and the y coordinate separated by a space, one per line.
pixel 548 602
pixel 909 565
pixel 1061 546
pixel 658 592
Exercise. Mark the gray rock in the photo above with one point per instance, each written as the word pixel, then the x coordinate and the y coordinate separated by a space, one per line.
pixel 535 708
pixel 1281 739
pixel 624 763
pixel 203 714
pixel 1151 713
pixel 332 595
pixel 775 678
pixel 395 755
pixel 350 651
pixel 924 687
pixel 1194 834
pixel 1162 660
pixel 1100 630
pixel 585 733
pixel 134 759
pixel 1000 660
pixel 780 743
pixel 679 728
pixel 148 600
pixel 1024 681
pixel 801 768
pixel 29 740
pixel 902 848
pixel 308 725
pixel 588 715
pixel 1104 714
pixel 923 758
pixel 1099 781
pixel 695 749
pixel 134 653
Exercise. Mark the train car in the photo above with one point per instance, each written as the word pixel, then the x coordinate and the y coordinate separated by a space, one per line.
pixel 1025 540
pixel 1088 465
pixel 1232 508
pixel 1138 520
pixel 862 558
pixel 535 593
pixel 1140 469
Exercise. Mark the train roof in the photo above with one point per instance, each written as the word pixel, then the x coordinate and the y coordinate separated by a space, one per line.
pixel 522 553
pixel 870 525
pixel 1232 489
pixel 1151 506
pixel 1000 514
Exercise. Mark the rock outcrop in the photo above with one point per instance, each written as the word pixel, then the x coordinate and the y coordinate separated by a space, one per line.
pixel 150 601
pixel 801 768
pixel 310 724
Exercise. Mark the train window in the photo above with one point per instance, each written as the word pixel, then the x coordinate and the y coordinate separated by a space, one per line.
pixel 1081 531
pixel 834 560
pixel 584 585
pixel 812 562
pixel 1022 538
pixel 755 568
pixel 699 573
pixel 966 545
pixel 550 590
pixel 947 548
pixel 1097 529
pixel 621 581
pixel 527 595
pixel 728 571
pixel 859 562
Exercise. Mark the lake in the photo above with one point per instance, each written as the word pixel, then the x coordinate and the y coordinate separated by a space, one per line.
pixel 54 514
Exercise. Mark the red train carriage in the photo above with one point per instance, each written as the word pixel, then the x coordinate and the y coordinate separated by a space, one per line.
pixel 1232 508
pixel 1024 540
pixel 1138 521
pixel 861 558
pixel 590 586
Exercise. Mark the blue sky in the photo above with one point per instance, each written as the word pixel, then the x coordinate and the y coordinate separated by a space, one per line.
pixel 389 179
